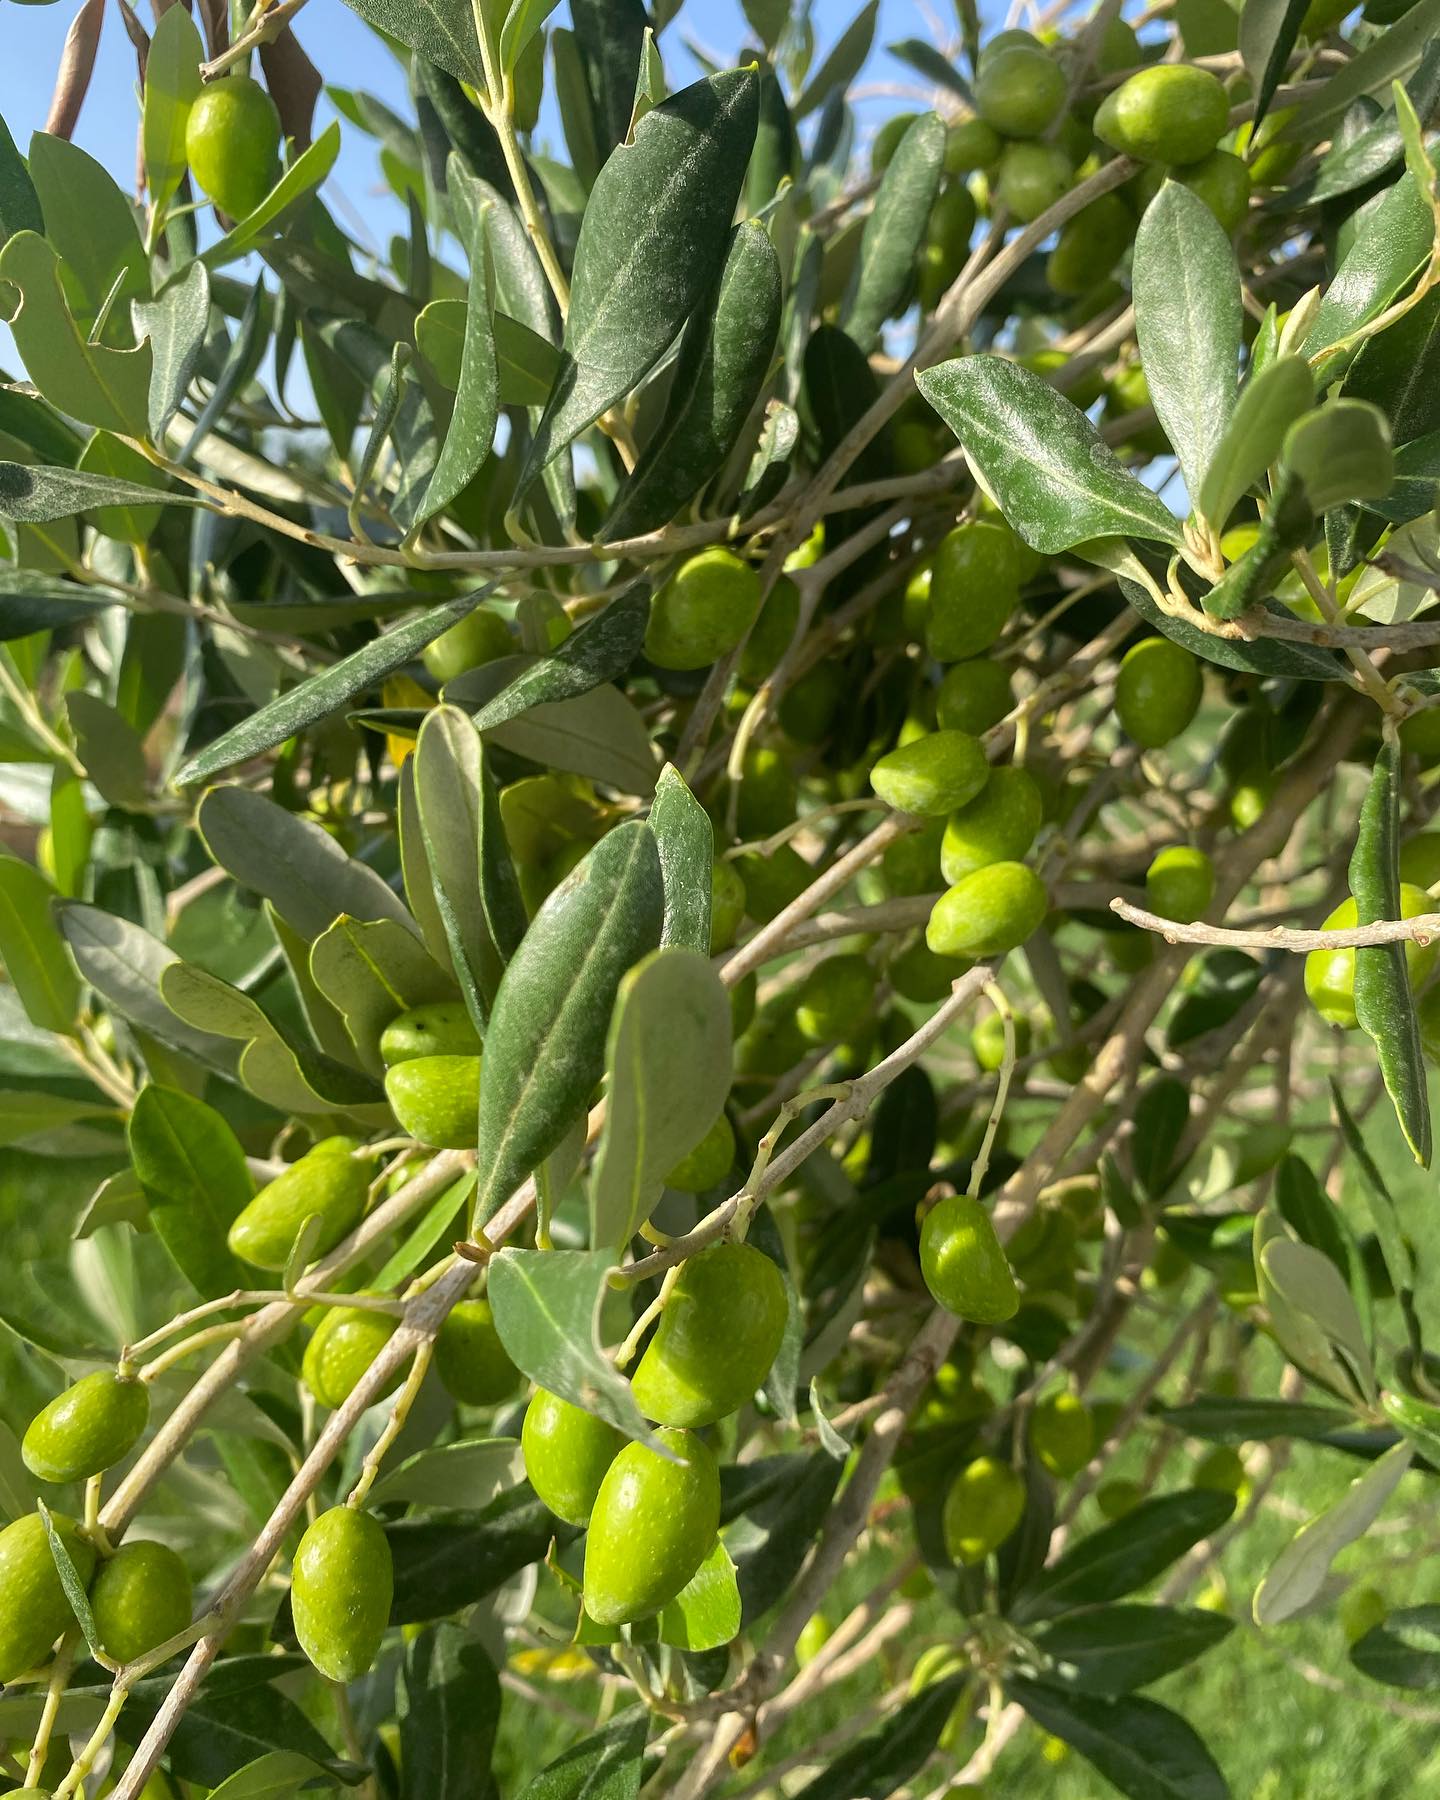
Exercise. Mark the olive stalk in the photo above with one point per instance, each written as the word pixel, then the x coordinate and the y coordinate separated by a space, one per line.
pixel 394 1425
pixel 50 1711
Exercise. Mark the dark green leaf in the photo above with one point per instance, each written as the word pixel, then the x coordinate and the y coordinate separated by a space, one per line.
pixel 1145 1750
pixel 1056 480
pixel 1393 53
pixel 895 229
pixel 477 401
pixel 92 226
pixel 774 1537
pixel 445 1564
pixel 31 602
pixel 449 1711
pixel 1222 1420
pixel 601 649
pixel 450 802
pixel 32 495
pixel 935 67
pixel 1269 404
pixel 1261 656
pixel 36 962
pixel 196 1181
pixel 1413 492
pixel 606 1766
pixel 843 64
pixel 1403 1650
pixel 19 203
pixel 1268 30
pixel 228 1727
pixel 1394 1247
pixel 1399 371
pixel 686 840
pixel 885 1759
pixel 610 36
pixel 1115 1649
pixel 1391 245
pixel 1161 1115
pixel 1121 1557
pixel 1384 1002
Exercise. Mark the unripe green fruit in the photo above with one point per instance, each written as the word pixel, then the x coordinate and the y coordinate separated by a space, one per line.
pixel 808 710
pixel 702 611
pixel 836 999
pixel 479 638
pixel 1157 692
pixel 1019 90
pixel 985 1504
pixel 141 1597
pixel 444 1029
pixel 917 974
pixel 1169 113
pixel 437 1099
pixel 471 1360
pixel 772 882
pixel 717 1337
pixel 1330 974
pixel 1223 182
pixel 328 1180
pixel 768 795
pixel 974 589
pixel 1007 39
pixel 1084 391
pixel 915 446
pixel 947 242
pixel 652 1526
pixel 727 903
pixel 1420 859
pixel 813 1639
pixel 1062 1434
pixel 1090 245
pixel 567 1452
pixel 988 912
pixel 1116 1498
pixel 343 1346
pixel 971 144
pixel 773 629
pixel 232 142
pixel 933 775
pixel 1361 1609
pixel 987 1041
pixel 1420 733
pixel 1180 884
pixel 908 865
pixel 33 1607
pixel 973 696
pixel 1032 179
pixel 887 141
pixel 1221 1470
pixel 964 1263
pixel 708 1163
pixel 999 825
pixel 340 1592
pixel 88 1428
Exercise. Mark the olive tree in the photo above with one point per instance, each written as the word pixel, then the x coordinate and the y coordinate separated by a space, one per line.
pixel 717 915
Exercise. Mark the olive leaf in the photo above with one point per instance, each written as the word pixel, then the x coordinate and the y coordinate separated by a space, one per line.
pixel 1384 1000
pixel 1268 30
pixel 1056 480
pixel 1141 1747
pixel 172 86
pixel 602 649
pixel 1392 243
pixel 1111 1650
pixel 885 1759
pixel 1270 403
pixel 371 970
pixel 605 1764
pixel 843 64
pixel 20 208
pixel 686 840
pixel 289 196
pixel 92 226
pixel 1123 1556
pixel 1384 1216
pixel 706 1612
pixel 449 1711
pixel 1393 53
pixel 895 229
pixel 668 1071
pixel 546 1305
pixel 1313 1289
pixel 196 1182
pixel 545 1047
pixel 71 1581
pixel 463 1477
pixel 1403 1650
pixel 1296 1579
pixel 32 949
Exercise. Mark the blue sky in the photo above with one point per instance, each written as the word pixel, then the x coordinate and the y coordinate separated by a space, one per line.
pixel 349 55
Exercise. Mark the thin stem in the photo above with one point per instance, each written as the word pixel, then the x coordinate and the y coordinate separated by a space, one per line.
pixel 394 1425
pixel 54 1693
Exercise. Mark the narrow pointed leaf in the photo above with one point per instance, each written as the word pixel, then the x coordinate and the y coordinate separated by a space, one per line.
pixel 1297 1576
pixel 686 839
pixel 449 802
pixel 895 229
pixel 195 1178
pixel 1269 404
pixel 1140 1747
pixel 603 648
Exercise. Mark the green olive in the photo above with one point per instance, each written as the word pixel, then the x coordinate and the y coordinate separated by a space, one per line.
pixel 329 1180
pixel 1420 733
pixel 836 999
pixel 1116 1498
pixel 973 696
pixel 1062 1434
pixel 653 1524
pixel 770 636
pixel 1420 859
pixel 141 1598
pixel 1180 883
pixel 471 1360
pixel 988 912
pixel 1084 390
pixel 232 142
pixel 917 974
pixel 985 1503
pixel 437 1099
pixel 908 865
pixel 933 775
pixel 708 1163
pixel 1223 182
pixel 1221 1471
pixel 1330 974
pixel 479 638
pixel 1004 40
pixel 703 610
pixel 974 589
pixel 341 1348
pixel 971 144
pixel 444 1029
pixel 717 1337
pixel 340 1592
pixel 946 243
pixel 1032 179
pixel 768 793
pixel 813 1639
pixel 33 1607
pixel 1361 1609
pixel 998 825
pixel 809 708
pixel 1168 113
pixel 1090 245
pixel 964 1262
pixel 772 882
pixel 727 903
pixel 90 1427
pixel 1019 90
pixel 987 1041
pixel 887 140
pixel 1157 692
pixel 567 1452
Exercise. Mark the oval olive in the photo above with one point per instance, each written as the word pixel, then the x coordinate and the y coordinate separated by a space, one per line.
pixel 479 638
pixel 340 1592
pixel 887 140
pixel 341 1348
pixel 971 144
pixel 703 610
pixel 836 999
pixel 471 1360
pixel 1020 90
pixel 772 631
pixel 1090 245
pixel 140 1598
pixel 973 696
pixel 708 1163
pixel 987 912
pixel 984 1505
pixel 437 1099
pixel 444 1029
pixel 652 1526
pixel 33 1607
pixel 567 1452
pixel 329 1180
pixel 931 775
pixel 1169 113
pixel 1420 859
pixel 964 1263
pixel 772 882
pixel 1157 692
pixel 1330 974
pixel 87 1429
pixel 999 825
pixel 987 1041
pixel 232 143
pixel 1421 733
pixel 727 903
pixel 1223 182
pixel 946 244
pixel 809 708
pixel 974 588
pixel 1062 1434
pixel 1180 883
pixel 717 1337
pixel 1032 178
pixel 768 793
pixel 919 975
pixel 909 864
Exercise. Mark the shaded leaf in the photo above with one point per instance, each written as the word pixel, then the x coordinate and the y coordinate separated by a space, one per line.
pixel 449 1711
pixel 196 1181
pixel 602 648
pixel 1145 1750
pixel 686 841
pixel 885 1759
pixel 32 950
pixel 1123 1556
pixel 1297 1576
pixel 1391 244
pixel 1115 1649
pixel 895 229
pixel 606 1766
pixel 468 1474
pixel 1403 1650
pixel 1268 30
